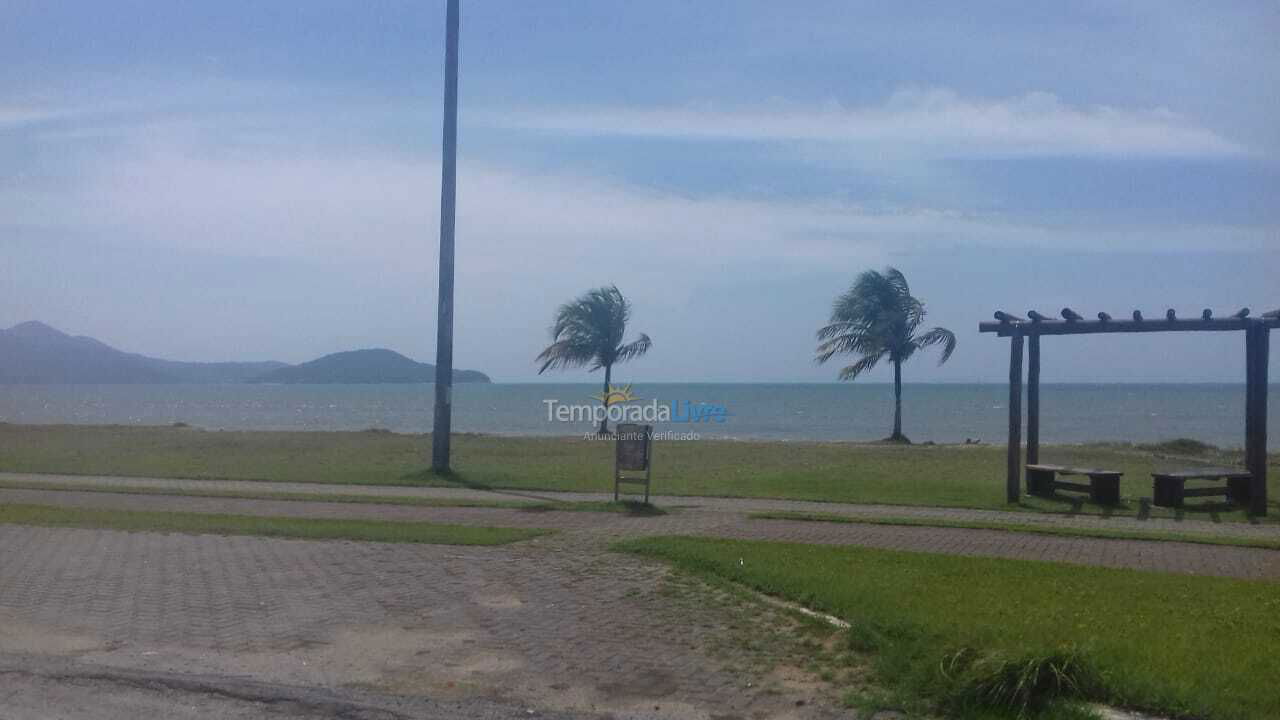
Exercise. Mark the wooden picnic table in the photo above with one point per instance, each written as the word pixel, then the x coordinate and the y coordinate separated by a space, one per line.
pixel 1103 486
pixel 1169 489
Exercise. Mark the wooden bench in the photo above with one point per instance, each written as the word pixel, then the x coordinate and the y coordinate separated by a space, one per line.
pixel 1170 488
pixel 1103 486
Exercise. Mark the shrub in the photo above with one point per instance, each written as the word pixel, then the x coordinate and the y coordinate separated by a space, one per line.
pixel 1025 686
pixel 1182 446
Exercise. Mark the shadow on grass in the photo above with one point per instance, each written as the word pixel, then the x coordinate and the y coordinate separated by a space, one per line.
pixel 1071 505
pixel 1136 508
pixel 453 478
pixel 633 508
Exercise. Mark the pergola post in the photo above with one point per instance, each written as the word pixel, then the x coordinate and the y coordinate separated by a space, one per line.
pixel 1260 425
pixel 1033 399
pixel 1258 351
pixel 1013 482
pixel 1250 377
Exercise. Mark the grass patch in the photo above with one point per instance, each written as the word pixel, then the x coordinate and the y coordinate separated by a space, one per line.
pixel 941 475
pixel 1020 527
pixel 290 527
pixel 626 506
pixel 355 498
pixel 982 637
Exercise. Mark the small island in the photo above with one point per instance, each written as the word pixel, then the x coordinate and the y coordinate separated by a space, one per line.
pixel 33 353
pixel 358 367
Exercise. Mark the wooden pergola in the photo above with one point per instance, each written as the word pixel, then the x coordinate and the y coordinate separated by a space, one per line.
pixel 1257 348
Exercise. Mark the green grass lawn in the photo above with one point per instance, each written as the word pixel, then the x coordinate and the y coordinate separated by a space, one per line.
pixel 967 633
pixel 1020 527
pixel 289 527
pixel 625 507
pixel 956 476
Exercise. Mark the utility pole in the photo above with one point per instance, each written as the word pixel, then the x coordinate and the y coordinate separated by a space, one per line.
pixel 443 417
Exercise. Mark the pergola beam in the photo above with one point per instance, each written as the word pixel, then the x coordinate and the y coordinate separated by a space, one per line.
pixel 1091 327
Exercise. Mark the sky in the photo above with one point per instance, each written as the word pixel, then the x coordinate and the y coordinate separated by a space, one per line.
pixel 238 180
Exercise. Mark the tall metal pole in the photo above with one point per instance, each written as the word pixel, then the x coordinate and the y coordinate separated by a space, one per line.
pixel 443 419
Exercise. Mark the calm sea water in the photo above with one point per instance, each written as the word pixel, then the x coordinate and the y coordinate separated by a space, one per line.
pixel 942 413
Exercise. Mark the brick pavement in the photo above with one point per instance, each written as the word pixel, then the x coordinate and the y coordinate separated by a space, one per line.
pixel 534 622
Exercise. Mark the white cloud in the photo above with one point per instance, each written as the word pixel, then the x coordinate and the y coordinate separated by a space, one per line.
pixel 17 116
pixel 931 122
pixel 355 234
pixel 382 208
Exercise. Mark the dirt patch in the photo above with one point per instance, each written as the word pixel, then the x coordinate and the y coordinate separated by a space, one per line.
pixel 792 679
pixel 385 657
pixel 500 601
pixel 647 683
pixel 17 636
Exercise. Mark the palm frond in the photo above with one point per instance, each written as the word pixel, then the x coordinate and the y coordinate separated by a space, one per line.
pixel 850 343
pixel 863 365
pixel 564 354
pixel 939 336
pixel 634 349
pixel 837 328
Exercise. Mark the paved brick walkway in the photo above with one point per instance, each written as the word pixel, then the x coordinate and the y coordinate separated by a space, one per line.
pixel 533 622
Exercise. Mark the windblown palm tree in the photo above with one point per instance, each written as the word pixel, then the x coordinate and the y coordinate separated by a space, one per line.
pixel 589 331
pixel 877 319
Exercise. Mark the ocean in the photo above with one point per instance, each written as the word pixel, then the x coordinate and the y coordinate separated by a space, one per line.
pixel 944 413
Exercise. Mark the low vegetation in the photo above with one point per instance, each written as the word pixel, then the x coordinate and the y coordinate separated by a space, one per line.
pixel 941 475
pixel 1182 446
pixel 1029 639
pixel 288 527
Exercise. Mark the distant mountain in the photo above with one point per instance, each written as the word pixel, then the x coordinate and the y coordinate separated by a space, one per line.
pixel 34 353
pixel 362 367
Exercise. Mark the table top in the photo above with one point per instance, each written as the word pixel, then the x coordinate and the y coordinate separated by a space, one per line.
pixel 1205 474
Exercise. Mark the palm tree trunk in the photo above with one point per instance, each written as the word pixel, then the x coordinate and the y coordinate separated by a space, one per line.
pixel 604 422
pixel 897 400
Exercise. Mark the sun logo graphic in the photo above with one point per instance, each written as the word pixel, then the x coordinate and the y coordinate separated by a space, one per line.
pixel 616 395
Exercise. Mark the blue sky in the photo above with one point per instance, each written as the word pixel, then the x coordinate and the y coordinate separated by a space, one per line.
pixel 241 180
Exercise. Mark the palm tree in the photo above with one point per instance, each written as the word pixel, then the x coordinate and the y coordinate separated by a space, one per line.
pixel 876 319
pixel 588 331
